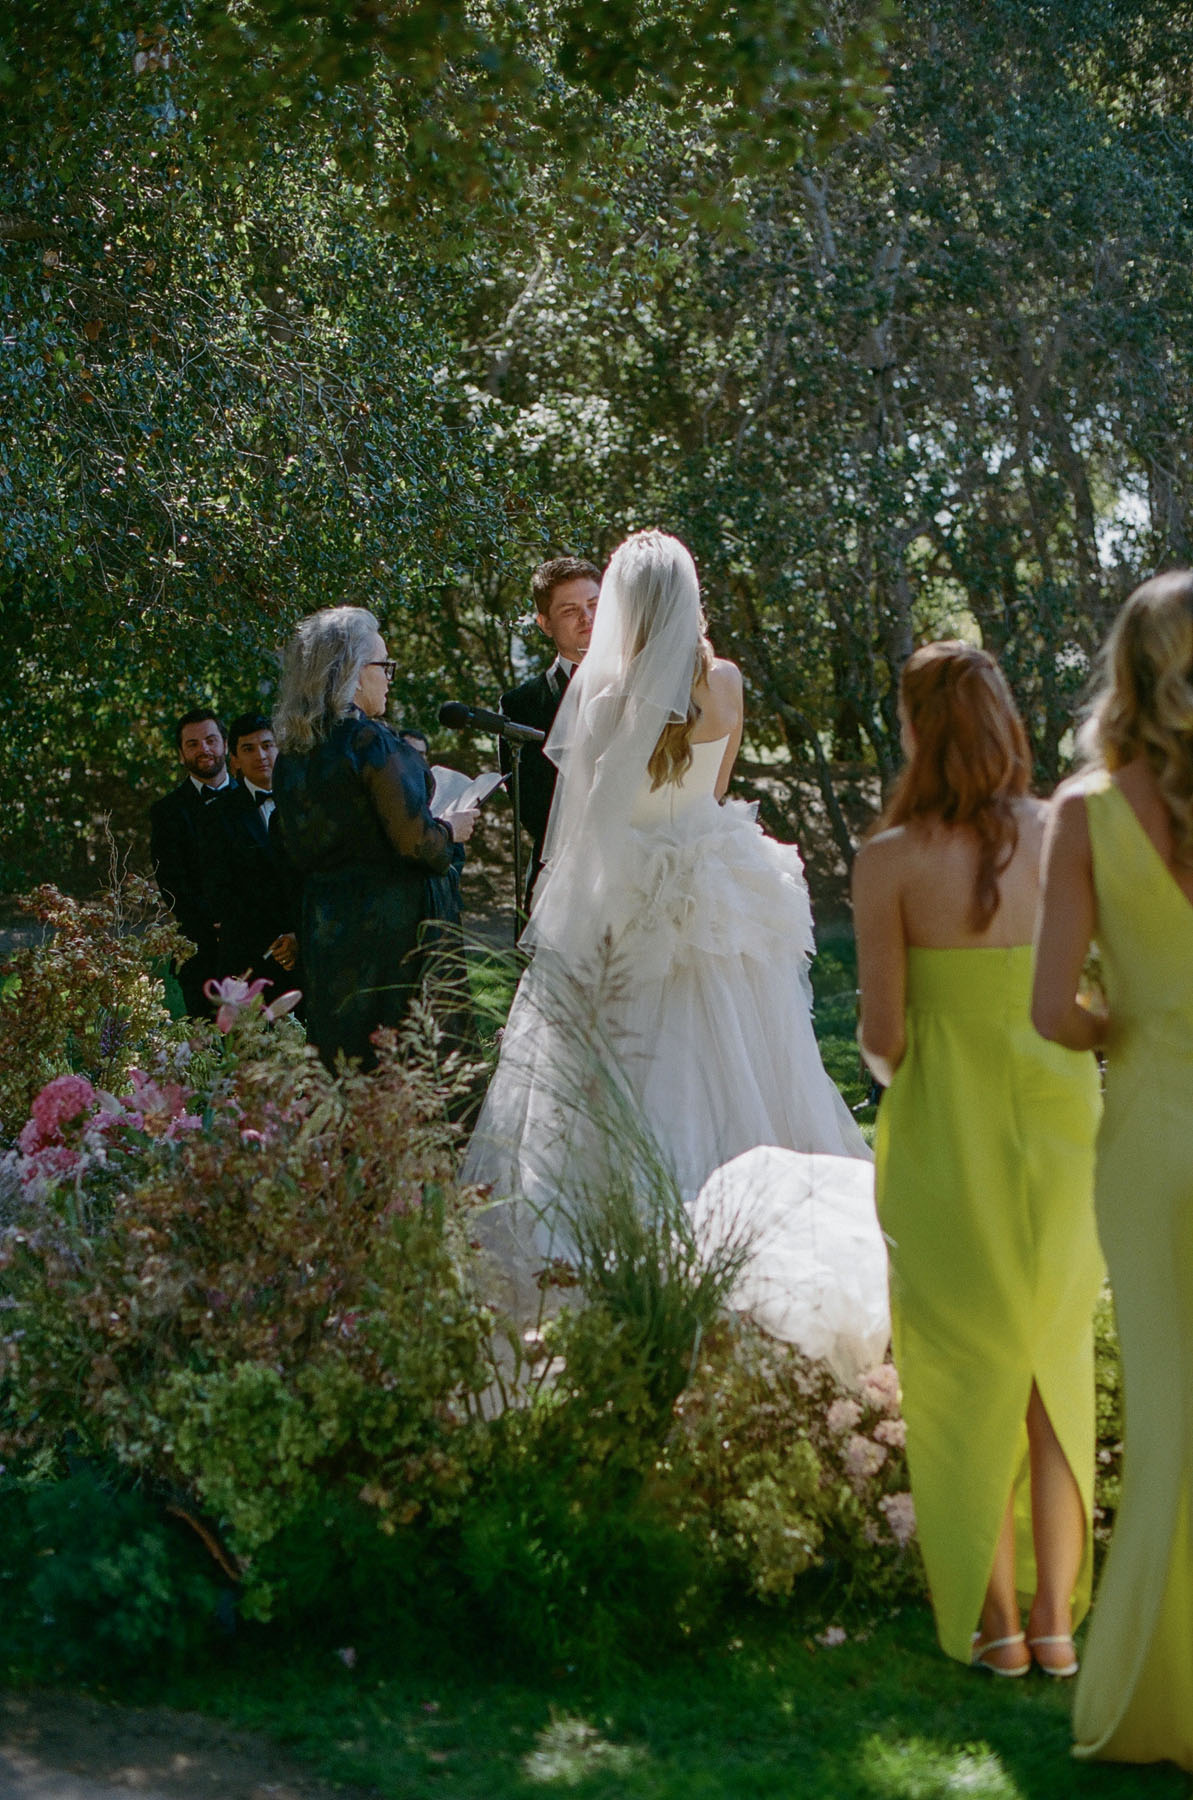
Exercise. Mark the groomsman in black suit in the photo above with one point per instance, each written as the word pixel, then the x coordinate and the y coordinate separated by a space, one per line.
pixel 564 591
pixel 181 863
pixel 255 902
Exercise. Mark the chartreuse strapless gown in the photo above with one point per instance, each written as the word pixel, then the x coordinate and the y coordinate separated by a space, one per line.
pixel 1135 1693
pixel 985 1188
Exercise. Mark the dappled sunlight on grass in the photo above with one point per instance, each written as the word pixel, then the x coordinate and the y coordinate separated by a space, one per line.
pixel 915 1769
pixel 569 1750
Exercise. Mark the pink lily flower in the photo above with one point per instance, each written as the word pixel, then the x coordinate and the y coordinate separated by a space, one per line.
pixel 236 995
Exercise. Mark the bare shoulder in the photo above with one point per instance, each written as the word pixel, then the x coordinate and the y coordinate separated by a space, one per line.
pixel 1068 843
pixel 1067 806
pixel 881 859
pixel 724 676
pixel 719 697
pixel 885 844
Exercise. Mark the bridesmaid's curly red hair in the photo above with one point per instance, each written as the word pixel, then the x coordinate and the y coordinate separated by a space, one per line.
pixel 969 759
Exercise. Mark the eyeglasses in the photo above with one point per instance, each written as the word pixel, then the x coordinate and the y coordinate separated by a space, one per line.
pixel 388 665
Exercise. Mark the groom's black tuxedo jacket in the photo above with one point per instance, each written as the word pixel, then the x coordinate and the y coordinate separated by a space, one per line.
pixel 182 868
pixel 536 703
pixel 255 894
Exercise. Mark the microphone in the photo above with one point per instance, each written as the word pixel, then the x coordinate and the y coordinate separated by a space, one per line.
pixel 476 718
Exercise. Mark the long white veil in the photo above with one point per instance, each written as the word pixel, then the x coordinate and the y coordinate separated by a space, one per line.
pixel 635 679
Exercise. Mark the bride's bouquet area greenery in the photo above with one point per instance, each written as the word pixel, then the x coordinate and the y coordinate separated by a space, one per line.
pixel 249 1379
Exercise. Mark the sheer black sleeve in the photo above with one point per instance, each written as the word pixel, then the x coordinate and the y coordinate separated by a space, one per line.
pixel 395 780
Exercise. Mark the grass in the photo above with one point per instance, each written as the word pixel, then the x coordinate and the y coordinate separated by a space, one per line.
pixel 771 1717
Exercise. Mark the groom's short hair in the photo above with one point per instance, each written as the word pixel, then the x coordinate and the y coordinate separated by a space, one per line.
pixel 553 573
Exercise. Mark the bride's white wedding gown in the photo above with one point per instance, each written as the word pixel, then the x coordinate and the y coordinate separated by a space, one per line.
pixel 695 1022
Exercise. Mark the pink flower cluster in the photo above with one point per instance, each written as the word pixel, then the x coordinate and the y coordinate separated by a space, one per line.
pixel 73 1126
pixel 879 1388
pixel 862 1458
pixel 158 1108
pixel 865 1454
pixel 67 1100
pixel 65 1133
pixel 899 1512
pixel 843 1416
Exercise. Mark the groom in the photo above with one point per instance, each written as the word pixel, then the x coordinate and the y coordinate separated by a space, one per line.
pixel 564 591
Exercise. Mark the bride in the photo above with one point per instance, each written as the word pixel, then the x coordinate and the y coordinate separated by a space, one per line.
pixel 668 999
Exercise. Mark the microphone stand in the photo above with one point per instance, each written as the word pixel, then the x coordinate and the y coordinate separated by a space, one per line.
pixel 520 914
pixel 513 736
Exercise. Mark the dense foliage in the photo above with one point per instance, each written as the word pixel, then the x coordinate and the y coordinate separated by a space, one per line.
pixel 239 245
pixel 425 306
pixel 939 382
pixel 242 1305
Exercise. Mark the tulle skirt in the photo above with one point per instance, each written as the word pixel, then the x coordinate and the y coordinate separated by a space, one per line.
pixel 683 1041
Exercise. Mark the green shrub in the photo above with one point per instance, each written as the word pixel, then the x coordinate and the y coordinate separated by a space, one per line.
pixel 266 1308
pixel 779 1470
pixel 1108 1374
pixel 96 1580
pixel 86 999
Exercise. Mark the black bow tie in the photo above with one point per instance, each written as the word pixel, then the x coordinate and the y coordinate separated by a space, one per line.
pixel 210 793
pixel 260 796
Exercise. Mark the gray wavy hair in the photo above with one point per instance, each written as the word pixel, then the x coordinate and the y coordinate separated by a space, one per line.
pixel 321 666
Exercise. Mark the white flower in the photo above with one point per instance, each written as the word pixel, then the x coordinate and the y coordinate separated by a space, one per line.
pixel 899 1512
pixel 843 1416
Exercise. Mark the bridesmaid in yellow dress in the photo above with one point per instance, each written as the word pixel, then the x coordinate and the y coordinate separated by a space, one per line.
pixel 984 1177
pixel 1119 869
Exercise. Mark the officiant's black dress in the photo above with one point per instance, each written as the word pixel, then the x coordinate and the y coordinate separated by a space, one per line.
pixel 352 816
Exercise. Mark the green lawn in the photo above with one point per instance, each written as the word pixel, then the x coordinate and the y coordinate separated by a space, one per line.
pixel 884 1719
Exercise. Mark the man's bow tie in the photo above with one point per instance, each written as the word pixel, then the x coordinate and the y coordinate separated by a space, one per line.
pixel 209 794
pixel 261 796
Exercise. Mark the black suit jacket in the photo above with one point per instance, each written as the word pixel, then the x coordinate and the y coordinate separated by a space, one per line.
pixel 536 703
pixel 182 869
pixel 251 895
pixel 180 862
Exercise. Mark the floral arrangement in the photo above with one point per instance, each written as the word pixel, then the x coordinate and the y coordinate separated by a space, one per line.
pixel 239 1280
pixel 782 1470
pixel 87 999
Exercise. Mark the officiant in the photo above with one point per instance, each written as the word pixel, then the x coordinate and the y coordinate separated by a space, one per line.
pixel 353 817
pixel 564 591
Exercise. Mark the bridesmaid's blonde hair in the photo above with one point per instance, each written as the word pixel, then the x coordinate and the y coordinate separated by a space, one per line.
pixel 969 761
pixel 1144 706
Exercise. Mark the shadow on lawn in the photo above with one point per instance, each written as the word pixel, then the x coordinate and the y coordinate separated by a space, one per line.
pixel 884 1718
pixel 778 1716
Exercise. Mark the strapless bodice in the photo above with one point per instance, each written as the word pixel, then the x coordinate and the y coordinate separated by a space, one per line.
pixel 698 783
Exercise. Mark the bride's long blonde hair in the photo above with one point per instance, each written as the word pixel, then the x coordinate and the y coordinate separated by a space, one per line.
pixel 1144 706
pixel 672 755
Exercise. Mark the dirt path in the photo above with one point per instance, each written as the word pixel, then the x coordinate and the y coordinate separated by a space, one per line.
pixel 67 1747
